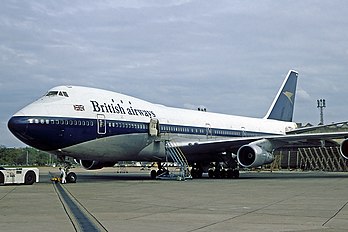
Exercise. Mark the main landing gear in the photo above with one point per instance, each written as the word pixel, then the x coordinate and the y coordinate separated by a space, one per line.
pixel 216 170
pixel 227 167
pixel 221 173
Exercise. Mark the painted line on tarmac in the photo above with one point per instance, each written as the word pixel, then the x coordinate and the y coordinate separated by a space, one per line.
pixel 79 216
pixel 7 193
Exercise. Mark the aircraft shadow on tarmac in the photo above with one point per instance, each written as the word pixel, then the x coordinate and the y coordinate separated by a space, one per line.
pixel 95 177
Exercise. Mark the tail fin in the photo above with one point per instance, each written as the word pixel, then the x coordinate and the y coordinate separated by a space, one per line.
pixel 282 107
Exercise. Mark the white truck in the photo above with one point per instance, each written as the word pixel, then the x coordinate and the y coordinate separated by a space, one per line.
pixel 19 175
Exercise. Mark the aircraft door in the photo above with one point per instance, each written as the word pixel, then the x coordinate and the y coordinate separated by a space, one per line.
pixel 209 131
pixel 154 127
pixel 101 124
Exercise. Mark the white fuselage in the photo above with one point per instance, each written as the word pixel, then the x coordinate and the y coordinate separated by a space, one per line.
pixel 94 124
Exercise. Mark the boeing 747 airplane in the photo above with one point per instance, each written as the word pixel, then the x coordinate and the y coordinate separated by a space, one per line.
pixel 100 128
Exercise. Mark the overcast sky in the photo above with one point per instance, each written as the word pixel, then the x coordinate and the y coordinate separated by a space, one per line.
pixel 228 56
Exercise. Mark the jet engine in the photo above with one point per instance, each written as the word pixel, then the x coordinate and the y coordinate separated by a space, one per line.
pixel 93 164
pixel 256 154
pixel 344 148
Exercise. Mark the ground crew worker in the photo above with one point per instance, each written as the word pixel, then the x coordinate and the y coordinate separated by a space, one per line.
pixel 62 175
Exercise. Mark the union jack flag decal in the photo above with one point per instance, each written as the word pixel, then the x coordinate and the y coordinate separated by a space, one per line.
pixel 79 107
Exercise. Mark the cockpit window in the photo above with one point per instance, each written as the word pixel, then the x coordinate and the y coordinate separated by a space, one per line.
pixel 52 93
pixel 55 93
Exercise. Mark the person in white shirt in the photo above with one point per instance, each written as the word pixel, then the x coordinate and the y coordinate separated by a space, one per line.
pixel 62 175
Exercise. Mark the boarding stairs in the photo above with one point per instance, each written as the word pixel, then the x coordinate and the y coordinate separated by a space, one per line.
pixel 178 157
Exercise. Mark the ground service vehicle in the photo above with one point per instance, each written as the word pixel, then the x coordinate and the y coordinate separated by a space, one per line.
pixel 19 175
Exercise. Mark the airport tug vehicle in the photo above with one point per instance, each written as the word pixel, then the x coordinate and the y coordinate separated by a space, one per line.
pixel 26 176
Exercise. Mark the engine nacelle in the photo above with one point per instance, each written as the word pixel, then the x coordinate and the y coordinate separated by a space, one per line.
pixel 93 164
pixel 255 154
pixel 344 148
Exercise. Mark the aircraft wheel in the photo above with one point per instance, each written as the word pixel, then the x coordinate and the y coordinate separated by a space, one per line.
pixel 211 173
pixel 217 174
pixel 193 173
pixel 2 178
pixel 29 178
pixel 71 177
pixel 196 173
pixel 159 172
pixel 230 173
pixel 236 174
pixel 153 174
pixel 223 174
pixel 199 173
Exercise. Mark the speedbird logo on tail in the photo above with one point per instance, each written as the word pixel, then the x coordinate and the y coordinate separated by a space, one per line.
pixel 289 95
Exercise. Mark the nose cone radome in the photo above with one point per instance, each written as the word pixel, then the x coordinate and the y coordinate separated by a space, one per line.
pixel 18 127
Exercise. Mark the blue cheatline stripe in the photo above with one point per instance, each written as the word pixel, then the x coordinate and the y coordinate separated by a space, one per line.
pixel 51 133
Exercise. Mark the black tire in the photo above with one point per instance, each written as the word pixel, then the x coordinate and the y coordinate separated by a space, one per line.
pixel 71 177
pixel 196 173
pixel 29 178
pixel 153 174
pixel 211 173
pixel 236 174
pixel 223 174
pixel 230 174
pixel 2 178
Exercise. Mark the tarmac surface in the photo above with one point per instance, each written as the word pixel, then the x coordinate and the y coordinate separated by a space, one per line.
pixel 109 201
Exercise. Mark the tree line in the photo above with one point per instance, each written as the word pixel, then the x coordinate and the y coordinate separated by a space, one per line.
pixel 27 156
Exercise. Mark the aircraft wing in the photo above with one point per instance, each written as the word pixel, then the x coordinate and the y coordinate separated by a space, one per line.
pixel 260 145
pixel 310 129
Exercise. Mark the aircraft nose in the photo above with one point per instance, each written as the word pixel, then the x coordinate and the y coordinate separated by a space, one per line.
pixel 18 126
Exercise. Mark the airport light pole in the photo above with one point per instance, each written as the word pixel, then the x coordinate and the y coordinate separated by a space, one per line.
pixel 321 106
